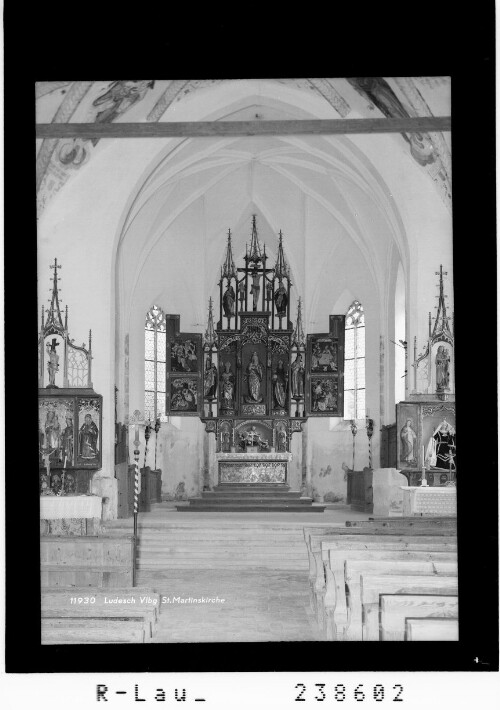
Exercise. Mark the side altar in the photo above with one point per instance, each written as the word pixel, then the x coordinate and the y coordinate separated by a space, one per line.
pixel 262 378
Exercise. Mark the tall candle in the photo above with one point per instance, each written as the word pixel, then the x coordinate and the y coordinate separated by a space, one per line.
pixel 423 455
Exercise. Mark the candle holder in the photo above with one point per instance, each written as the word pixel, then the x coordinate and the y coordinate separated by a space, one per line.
pixel 354 431
pixel 369 433
pixel 157 429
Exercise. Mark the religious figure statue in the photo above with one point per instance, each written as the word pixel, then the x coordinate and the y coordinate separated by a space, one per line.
pixel 69 483
pixel 52 430
pixel 269 291
pixel 56 483
pixel 227 379
pixel 280 382
pixel 442 369
pixel 253 438
pixel 298 371
pixel 409 442
pixel 228 300
pixel 281 299
pixel 241 291
pixel 211 377
pixel 67 440
pixel 441 449
pixel 53 363
pixel 281 439
pixel 225 439
pixel 255 373
pixel 88 438
pixel 255 288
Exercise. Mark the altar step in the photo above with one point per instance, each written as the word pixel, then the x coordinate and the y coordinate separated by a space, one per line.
pixel 249 497
pixel 187 543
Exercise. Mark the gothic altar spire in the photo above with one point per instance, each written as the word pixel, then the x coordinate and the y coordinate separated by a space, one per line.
pixel 298 337
pixel 228 271
pixel 210 338
pixel 54 316
pixel 441 330
pixel 255 254
pixel 281 269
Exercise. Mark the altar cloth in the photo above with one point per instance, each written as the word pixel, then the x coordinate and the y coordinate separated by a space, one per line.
pixel 52 507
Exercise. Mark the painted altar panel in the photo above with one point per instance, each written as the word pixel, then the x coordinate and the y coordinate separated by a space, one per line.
pixel 426 433
pixel 252 472
pixel 89 413
pixel 184 394
pixel 184 371
pixel 325 371
pixel 56 431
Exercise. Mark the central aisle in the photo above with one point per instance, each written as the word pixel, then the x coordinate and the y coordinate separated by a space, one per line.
pixel 259 606
pixel 256 562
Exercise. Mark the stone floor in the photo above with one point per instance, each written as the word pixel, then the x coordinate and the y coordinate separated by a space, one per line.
pixel 259 605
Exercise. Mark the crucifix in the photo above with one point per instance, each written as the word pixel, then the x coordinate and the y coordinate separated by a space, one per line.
pixel 53 364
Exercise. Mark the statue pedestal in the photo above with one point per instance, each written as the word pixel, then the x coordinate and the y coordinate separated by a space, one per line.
pixel 253 467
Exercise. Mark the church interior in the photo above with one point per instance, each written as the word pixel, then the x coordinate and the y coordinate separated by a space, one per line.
pixel 246 360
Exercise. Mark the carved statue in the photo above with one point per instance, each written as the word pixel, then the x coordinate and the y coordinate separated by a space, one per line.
pixel 211 378
pixel 228 300
pixel 441 449
pixel 255 372
pixel 241 291
pixel 88 437
pixel 227 378
pixel 442 369
pixel 225 439
pixel 282 439
pixel 255 288
pixel 253 438
pixel 298 371
pixel 409 441
pixel 67 440
pixel 53 363
pixel 52 433
pixel 281 299
pixel 280 381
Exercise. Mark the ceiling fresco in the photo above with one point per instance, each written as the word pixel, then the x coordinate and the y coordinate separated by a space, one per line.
pixel 58 160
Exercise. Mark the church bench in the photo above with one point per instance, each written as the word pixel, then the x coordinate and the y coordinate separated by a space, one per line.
pixel 396 608
pixel 355 538
pixel 94 630
pixel 351 627
pixel 57 603
pixel 87 561
pixel 431 629
pixel 395 522
pixel 335 614
pixel 373 586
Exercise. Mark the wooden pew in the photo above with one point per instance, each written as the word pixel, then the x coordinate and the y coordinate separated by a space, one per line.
pixel 373 586
pixel 334 562
pixel 431 629
pixel 409 523
pixel 396 608
pixel 354 569
pixel 57 603
pixel 94 630
pixel 86 561
pixel 356 539
pixel 315 535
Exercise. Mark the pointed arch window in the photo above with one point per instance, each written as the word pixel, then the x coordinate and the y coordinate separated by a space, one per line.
pixel 354 372
pixel 155 365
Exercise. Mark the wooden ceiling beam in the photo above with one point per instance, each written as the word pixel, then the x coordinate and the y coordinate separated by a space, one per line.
pixel 195 129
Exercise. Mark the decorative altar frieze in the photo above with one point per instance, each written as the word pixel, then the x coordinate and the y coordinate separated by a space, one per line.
pixel 239 458
pixel 252 472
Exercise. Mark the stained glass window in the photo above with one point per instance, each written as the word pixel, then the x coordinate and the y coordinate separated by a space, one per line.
pixel 155 347
pixel 354 368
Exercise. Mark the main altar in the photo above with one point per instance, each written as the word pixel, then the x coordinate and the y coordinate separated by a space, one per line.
pixel 262 377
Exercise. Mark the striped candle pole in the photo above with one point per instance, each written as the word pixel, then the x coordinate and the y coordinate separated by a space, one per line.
pixel 136 420
pixel 369 433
